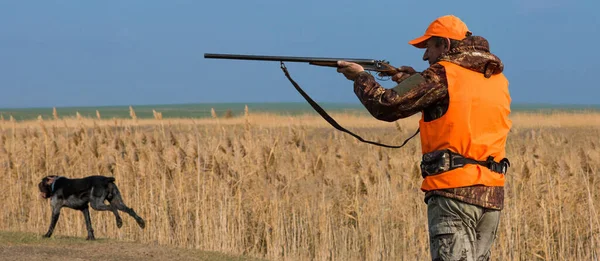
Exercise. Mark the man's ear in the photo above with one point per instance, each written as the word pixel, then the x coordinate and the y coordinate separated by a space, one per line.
pixel 447 44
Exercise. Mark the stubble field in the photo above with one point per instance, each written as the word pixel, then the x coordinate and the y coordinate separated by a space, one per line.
pixel 294 188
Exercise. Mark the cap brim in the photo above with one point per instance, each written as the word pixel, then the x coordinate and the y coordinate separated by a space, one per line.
pixel 420 42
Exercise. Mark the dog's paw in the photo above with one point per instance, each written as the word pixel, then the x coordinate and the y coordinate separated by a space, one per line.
pixel 141 222
pixel 46 236
pixel 119 223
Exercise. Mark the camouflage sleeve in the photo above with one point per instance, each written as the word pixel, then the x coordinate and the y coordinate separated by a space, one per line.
pixel 390 105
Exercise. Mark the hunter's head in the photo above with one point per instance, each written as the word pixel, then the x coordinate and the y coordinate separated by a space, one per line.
pixel 441 36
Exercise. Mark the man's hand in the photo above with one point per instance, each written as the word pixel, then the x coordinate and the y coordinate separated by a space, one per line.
pixel 403 73
pixel 350 70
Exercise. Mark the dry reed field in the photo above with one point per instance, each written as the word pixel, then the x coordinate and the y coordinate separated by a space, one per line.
pixel 294 188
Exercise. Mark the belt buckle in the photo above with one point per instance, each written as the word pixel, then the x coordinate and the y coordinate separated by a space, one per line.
pixel 504 164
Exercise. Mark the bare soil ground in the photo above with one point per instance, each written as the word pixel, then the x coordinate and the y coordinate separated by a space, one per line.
pixel 18 246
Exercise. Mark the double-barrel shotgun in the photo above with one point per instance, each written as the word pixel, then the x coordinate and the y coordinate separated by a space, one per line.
pixel 382 67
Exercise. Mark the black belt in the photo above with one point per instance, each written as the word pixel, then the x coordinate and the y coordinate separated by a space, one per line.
pixel 440 161
pixel 499 167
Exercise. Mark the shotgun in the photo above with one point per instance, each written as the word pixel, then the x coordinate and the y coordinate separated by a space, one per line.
pixel 383 68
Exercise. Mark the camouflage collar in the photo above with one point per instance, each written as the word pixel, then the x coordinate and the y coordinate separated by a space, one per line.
pixel 474 54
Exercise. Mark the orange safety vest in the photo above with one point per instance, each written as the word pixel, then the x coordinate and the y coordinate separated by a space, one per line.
pixel 475 125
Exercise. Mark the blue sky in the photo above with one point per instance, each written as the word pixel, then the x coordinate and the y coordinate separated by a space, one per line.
pixel 94 53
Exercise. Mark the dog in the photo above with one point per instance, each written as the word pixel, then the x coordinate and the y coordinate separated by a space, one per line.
pixel 78 193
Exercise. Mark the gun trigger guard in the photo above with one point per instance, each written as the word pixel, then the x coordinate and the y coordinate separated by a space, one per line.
pixel 282 65
pixel 384 78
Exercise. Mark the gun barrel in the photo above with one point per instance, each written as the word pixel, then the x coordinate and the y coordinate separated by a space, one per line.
pixel 285 58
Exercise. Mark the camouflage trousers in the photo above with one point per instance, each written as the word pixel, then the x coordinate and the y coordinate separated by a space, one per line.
pixel 460 231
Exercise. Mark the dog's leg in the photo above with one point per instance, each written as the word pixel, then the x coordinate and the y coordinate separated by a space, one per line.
pixel 97 203
pixel 117 201
pixel 55 216
pixel 121 206
pixel 88 224
pixel 117 216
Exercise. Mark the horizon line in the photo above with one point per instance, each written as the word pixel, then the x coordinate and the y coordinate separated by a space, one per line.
pixel 358 104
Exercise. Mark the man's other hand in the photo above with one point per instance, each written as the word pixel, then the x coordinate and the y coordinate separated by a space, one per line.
pixel 403 73
pixel 350 70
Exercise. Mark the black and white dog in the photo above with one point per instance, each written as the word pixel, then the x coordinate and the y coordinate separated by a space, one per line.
pixel 77 193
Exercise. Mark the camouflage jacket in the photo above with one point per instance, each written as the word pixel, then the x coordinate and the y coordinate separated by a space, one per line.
pixel 427 92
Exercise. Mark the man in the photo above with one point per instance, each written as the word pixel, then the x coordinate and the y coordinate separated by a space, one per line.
pixel 464 102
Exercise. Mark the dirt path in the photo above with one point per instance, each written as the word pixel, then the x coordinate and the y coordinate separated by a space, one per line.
pixel 25 246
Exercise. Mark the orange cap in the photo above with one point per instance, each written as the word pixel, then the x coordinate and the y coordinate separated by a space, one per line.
pixel 448 26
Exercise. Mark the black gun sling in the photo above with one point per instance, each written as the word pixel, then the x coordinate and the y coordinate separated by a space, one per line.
pixel 330 120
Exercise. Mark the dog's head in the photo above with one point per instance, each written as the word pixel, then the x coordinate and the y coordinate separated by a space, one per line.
pixel 45 186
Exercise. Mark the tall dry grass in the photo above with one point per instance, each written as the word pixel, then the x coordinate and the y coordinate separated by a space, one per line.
pixel 293 188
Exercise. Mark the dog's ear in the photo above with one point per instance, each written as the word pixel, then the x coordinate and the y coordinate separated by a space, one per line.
pixel 48 180
pixel 44 188
pixel 48 177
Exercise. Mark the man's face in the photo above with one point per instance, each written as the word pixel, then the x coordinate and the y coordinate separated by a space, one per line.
pixel 433 52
